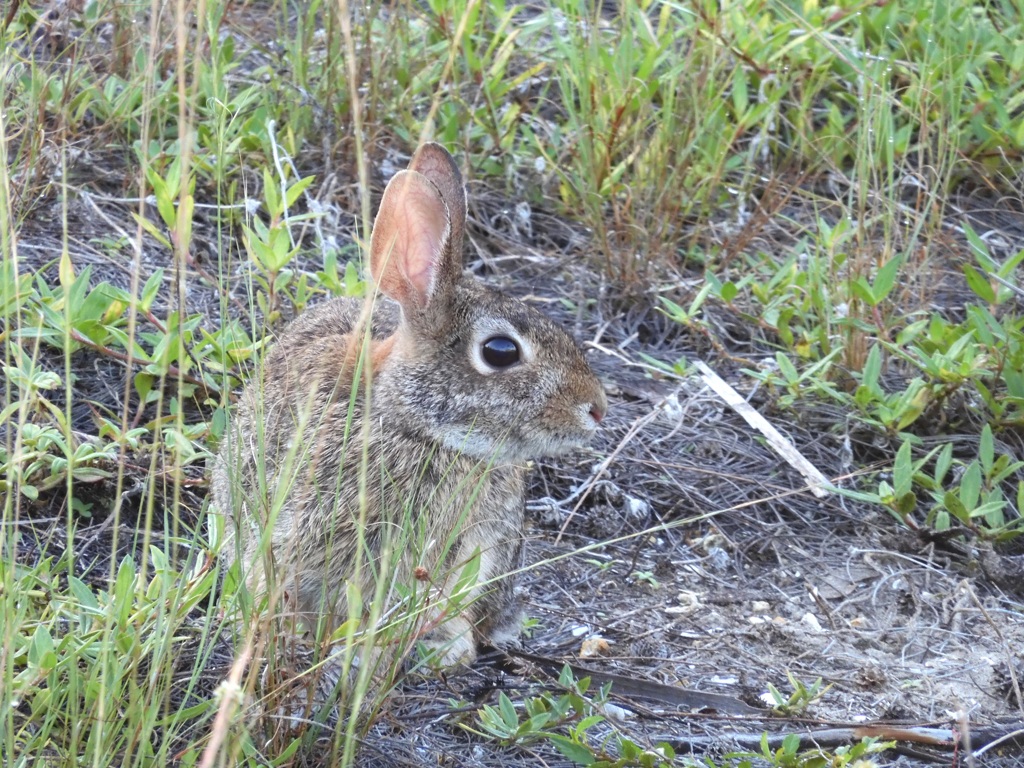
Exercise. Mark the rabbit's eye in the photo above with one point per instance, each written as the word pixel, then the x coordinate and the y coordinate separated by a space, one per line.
pixel 500 352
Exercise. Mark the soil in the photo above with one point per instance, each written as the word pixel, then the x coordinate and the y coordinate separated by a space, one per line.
pixel 680 548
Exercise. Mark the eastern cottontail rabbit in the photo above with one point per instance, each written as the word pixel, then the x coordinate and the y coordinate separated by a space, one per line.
pixel 465 385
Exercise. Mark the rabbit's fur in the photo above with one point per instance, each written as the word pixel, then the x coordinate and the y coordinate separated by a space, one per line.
pixel 437 442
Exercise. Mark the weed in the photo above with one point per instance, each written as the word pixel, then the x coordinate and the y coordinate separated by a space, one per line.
pixel 789 754
pixel 271 246
pixel 802 697
pixel 569 722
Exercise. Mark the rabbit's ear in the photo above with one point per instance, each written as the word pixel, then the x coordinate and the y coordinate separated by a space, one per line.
pixel 410 246
pixel 433 161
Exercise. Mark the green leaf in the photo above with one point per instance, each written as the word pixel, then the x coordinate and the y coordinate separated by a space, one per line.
pixel 729 292
pixel 280 244
pixel 886 278
pixel 1002 469
pixel 1006 270
pixel 186 210
pixel 14 288
pixel 909 334
pixel 902 473
pixel 740 98
pixel 970 486
pixel 168 213
pixel 143 384
pixel 979 249
pixel 906 503
pixel 698 300
pixel 468 578
pixel 96 305
pixel 219 422
pixel 979 284
pixel 150 228
pixel 885 494
pixel 565 677
pixel 862 290
pixel 991 511
pixel 956 507
pixel 261 230
pixel 987 329
pixel 943 463
pixel 872 369
pixel 90 474
pixel 536 723
pixel 123 594
pixel 508 710
pixel 1014 383
pixel 790 744
pixel 986 450
pixel 42 653
pixel 76 293
pixel 297 189
pixel 353 280
pixel 787 369
pixel 938 518
pixel 83 594
pixel 912 404
pixel 270 194
pixel 571 750
pixel 150 289
pixel 346 630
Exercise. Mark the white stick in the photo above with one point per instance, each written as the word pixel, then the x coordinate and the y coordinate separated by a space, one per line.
pixel 818 482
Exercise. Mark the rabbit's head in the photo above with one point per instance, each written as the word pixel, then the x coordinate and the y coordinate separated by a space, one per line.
pixel 471 368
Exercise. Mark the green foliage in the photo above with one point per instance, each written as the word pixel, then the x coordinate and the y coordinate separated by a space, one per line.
pixel 14 289
pixel 78 654
pixel 271 246
pixel 800 700
pixel 77 315
pixel 969 492
pixel 987 496
pixel 45 455
pixel 789 755
pixel 944 364
pixel 568 722
pixel 44 460
pixel 631 134
pixel 488 53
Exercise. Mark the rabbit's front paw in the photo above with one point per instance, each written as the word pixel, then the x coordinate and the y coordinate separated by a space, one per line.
pixel 451 645
pixel 508 634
